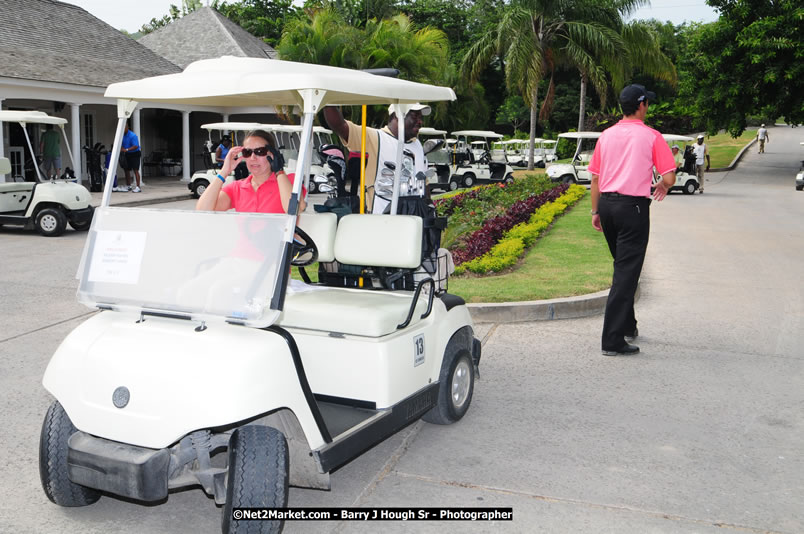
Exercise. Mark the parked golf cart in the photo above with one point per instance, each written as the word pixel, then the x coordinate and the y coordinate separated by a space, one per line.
pixel 47 205
pixel 800 175
pixel 207 367
pixel 686 178
pixel 287 136
pixel 434 143
pixel 471 165
pixel 200 180
pixel 576 171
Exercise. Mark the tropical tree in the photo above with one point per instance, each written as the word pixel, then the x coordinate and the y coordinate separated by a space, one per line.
pixel 262 18
pixel 533 37
pixel 174 13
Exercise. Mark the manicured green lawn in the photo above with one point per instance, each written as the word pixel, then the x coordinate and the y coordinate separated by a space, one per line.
pixel 570 259
pixel 723 148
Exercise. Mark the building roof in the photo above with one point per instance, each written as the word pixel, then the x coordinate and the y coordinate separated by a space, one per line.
pixel 51 41
pixel 212 35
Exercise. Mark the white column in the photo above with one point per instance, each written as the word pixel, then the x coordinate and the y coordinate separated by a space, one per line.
pixel 185 146
pixel 2 142
pixel 135 126
pixel 75 134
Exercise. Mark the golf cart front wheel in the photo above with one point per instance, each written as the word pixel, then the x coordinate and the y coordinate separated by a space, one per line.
pixel 568 179
pixel 453 185
pixel 199 186
pixel 509 178
pixel 51 222
pixel 799 187
pixel 690 187
pixel 56 430
pixel 457 383
pixel 257 478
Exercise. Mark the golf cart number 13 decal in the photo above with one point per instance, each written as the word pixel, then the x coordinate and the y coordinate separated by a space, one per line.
pixel 418 350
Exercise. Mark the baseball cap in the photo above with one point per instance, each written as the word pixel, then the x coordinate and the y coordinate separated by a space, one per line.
pixel 700 136
pixel 635 93
pixel 762 126
pixel 424 108
pixel 676 147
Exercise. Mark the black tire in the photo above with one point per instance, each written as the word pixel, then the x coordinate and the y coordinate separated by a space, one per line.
pixel 84 225
pixel 456 385
pixel 56 430
pixel 468 179
pixel 453 185
pixel 312 186
pixel 50 222
pixel 568 179
pixel 690 187
pixel 799 187
pixel 199 186
pixel 257 478
pixel 509 178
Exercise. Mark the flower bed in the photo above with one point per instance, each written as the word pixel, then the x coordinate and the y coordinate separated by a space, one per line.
pixel 503 238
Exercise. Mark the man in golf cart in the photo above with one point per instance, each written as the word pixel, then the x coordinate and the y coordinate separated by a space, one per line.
pixel 381 145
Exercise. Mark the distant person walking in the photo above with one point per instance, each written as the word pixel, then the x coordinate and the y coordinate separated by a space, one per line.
pixel 762 137
pixel 130 159
pixel 701 152
pixel 622 171
pixel 50 148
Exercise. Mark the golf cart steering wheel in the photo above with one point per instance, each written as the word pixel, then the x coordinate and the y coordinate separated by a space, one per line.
pixel 303 252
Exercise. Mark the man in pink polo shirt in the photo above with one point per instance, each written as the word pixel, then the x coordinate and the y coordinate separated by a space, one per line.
pixel 622 170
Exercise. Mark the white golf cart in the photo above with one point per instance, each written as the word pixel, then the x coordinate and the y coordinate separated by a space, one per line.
pixel 288 137
pixel 200 180
pixel 686 178
pixel 206 366
pixel 576 171
pixel 434 143
pixel 472 165
pixel 48 204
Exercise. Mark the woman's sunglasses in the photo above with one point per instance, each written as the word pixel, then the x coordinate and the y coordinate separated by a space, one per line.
pixel 259 152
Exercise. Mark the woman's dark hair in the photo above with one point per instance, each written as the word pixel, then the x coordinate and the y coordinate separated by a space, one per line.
pixel 267 136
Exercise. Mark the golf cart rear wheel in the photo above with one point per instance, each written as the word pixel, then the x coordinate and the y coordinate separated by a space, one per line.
pixel 690 187
pixel 257 478
pixel 799 187
pixel 51 222
pixel 312 187
pixel 456 385
pixel 468 179
pixel 199 186
pixel 568 179
pixel 56 430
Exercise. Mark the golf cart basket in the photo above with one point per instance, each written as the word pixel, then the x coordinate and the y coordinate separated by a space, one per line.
pixel 94 169
pixel 689 160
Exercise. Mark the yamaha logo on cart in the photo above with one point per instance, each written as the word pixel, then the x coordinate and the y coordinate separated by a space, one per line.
pixel 418 350
pixel 120 397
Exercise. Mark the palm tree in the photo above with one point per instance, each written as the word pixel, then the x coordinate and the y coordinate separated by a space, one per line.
pixel 533 38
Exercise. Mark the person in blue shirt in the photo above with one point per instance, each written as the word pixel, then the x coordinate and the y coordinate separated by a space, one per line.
pixel 130 159
pixel 222 150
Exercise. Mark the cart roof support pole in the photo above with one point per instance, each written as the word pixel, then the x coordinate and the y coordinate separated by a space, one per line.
pixel 33 154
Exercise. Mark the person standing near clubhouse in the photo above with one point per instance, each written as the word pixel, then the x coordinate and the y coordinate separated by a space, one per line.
pixel 130 159
pixel 701 152
pixel 50 148
pixel 762 136
pixel 622 171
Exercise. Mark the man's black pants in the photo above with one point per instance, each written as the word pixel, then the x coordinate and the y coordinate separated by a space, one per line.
pixel 626 225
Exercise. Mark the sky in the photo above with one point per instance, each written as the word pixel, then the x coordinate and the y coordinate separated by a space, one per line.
pixel 131 16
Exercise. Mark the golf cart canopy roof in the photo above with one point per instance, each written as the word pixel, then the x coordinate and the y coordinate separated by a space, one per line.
pixel 32 117
pixel 291 128
pixel 580 135
pixel 479 133
pixel 674 137
pixel 431 131
pixel 237 126
pixel 247 82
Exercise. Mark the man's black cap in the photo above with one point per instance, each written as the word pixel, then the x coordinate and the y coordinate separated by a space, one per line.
pixel 635 94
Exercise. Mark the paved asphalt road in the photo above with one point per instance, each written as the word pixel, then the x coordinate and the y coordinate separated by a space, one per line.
pixel 701 432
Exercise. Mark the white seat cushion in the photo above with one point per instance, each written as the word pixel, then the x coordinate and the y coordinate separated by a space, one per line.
pixel 358 312
pixel 321 228
pixel 380 241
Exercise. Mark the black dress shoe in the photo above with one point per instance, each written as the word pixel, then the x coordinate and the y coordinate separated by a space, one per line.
pixel 627 350
pixel 629 338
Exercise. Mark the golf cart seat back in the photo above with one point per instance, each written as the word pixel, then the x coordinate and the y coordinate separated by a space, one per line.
pixel 5 166
pixel 321 228
pixel 372 240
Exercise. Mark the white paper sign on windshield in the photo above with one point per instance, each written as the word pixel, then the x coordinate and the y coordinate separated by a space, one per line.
pixel 117 257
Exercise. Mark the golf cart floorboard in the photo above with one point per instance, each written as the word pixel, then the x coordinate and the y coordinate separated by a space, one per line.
pixel 340 418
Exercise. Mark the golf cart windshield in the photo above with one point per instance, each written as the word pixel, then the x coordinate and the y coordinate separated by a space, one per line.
pixel 219 266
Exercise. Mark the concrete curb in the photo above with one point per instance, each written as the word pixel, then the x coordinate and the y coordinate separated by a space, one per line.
pixel 736 158
pixel 542 310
